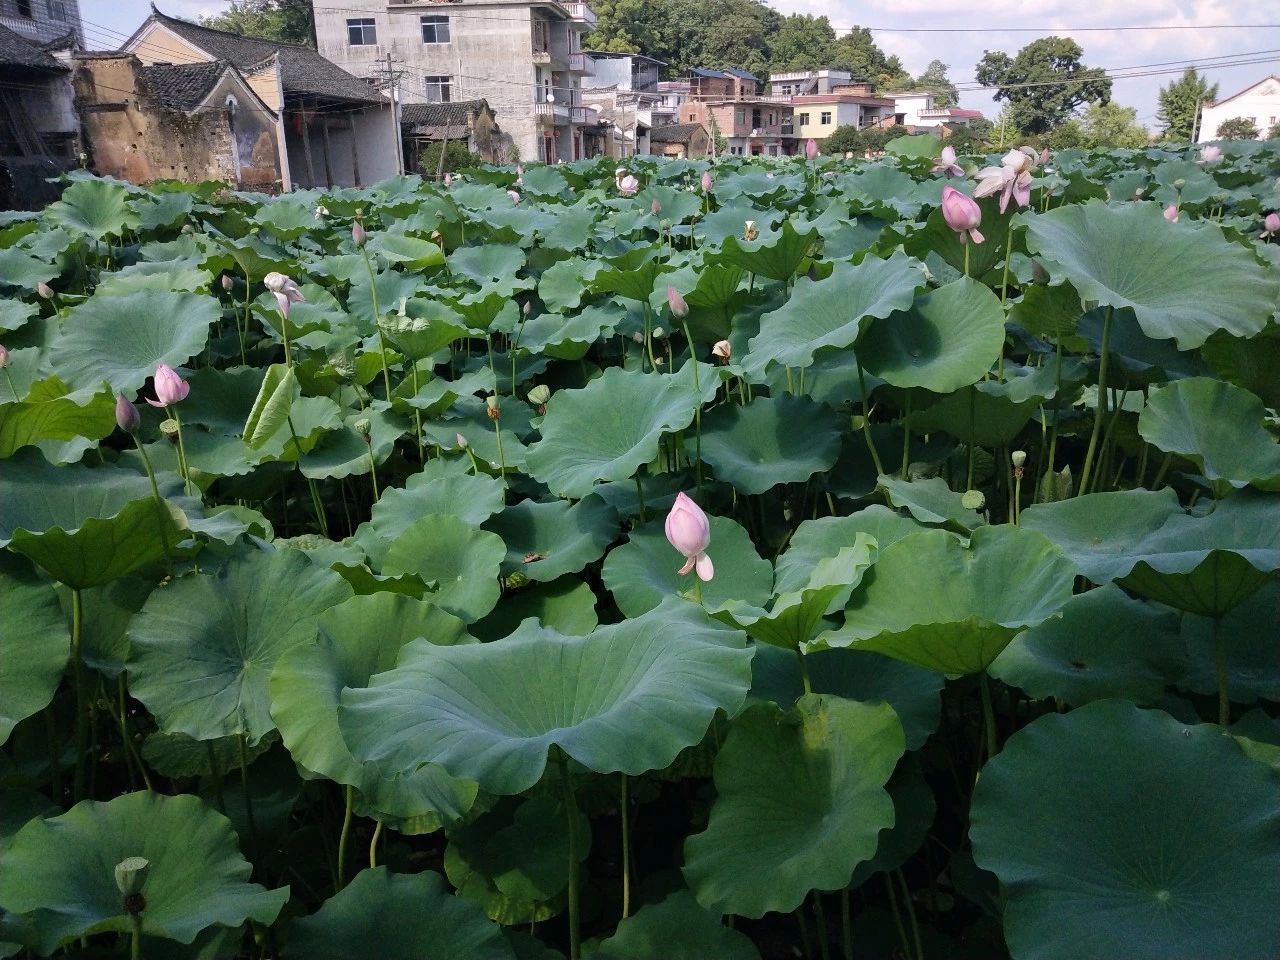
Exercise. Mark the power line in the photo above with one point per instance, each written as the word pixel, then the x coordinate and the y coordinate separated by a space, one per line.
pixel 1109 76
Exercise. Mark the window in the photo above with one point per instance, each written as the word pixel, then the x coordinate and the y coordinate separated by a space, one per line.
pixel 826 118
pixel 435 29
pixel 58 10
pixel 361 32
pixel 802 119
pixel 437 89
pixel 24 9
pixel 742 117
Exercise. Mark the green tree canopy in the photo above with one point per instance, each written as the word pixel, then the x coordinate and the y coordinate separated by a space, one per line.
pixel 288 20
pixel 1044 83
pixel 1180 102
pixel 803 42
pixel 935 79
pixel 858 53
pixel 1238 128
pixel 1111 125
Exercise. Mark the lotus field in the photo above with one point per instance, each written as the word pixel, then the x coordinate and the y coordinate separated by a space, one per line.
pixel 795 558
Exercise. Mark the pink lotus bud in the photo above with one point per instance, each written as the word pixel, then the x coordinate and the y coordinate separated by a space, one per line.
pixel 1270 225
pixel 4 356
pixel 689 531
pixel 811 148
pixel 946 163
pixel 515 197
pixel 1210 154
pixel 1044 156
pixel 707 182
pixel 358 236
pixel 519 169
pixel 227 282
pixel 280 285
pixel 461 441
pixel 962 214
pixel 127 418
pixel 170 388
pixel 44 290
pixel 655 207
pixel 722 351
pixel 1171 213
pixel 448 179
pixel 679 309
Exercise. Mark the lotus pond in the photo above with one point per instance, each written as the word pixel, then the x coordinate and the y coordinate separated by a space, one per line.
pixel 344 609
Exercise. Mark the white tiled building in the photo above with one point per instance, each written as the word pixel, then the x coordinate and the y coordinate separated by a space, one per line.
pixel 1259 103
pixel 522 56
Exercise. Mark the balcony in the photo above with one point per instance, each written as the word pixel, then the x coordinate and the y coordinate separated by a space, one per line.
pixel 582 64
pixel 553 114
pixel 581 13
pixel 541 56
pixel 582 115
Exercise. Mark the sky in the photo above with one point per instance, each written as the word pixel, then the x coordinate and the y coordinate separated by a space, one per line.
pixel 108 22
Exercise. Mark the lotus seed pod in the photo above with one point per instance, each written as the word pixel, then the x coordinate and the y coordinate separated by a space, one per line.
pixel 1018 457
pixel 131 874
pixel 169 429
pixel 1179 184
pixel 857 422
pixel 491 407
pixel 362 427
pixel 973 500
pixel 539 395
pixel 659 333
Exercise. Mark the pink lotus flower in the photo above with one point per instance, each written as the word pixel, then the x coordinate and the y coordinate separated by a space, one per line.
pixel 1171 213
pixel 44 290
pixel 1210 154
pixel 655 208
pixel 448 179
pixel 811 148
pixel 628 185
pixel 689 531
pixel 722 351
pixel 707 182
pixel 127 418
pixel 4 356
pixel 946 163
pixel 962 214
pixel 358 236
pixel 170 388
pixel 515 197
pixel 227 282
pixel 282 304
pixel 679 309
pixel 281 285
pixel 1270 226
pixel 1012 179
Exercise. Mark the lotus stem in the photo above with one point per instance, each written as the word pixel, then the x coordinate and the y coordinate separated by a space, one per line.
pixel 377 316
pixel 988 716
pixel 821 918
pixel 571 810
pixel 242 742
pixel 182 452
pixel 135 936
pixel 966 259
pixel 640 495
pixel 1220 665
pixel 417 414
pixel 82 708
pixel 626 847
pixel 243 360
pixel 804 931
pixel 866 420
pixel 897 916
pixel 1086 471
pixel 911 913
pixel 348 803
pixel 373 472
pixel 316 502
pixel 215 772
pixel 906 438
pixel 373 845
pixel 160 504
pixel 697 415
pixel 846 930
pixel 804 672
pixel 130 751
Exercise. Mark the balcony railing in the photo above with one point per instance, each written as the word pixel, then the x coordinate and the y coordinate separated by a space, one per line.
pixel 581 12
pixel 541 56
pixel 583 64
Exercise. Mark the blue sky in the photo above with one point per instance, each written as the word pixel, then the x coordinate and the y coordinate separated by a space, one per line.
pixel 107 22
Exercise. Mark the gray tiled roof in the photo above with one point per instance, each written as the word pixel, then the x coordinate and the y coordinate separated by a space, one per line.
pixel 440 114
pixel 302 70
pixel 674 133
pixel 17 51
pixel 182 86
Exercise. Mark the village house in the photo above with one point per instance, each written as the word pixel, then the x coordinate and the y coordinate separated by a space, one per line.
pixel 39 132
pixel 331 128
pixel 523 57
pixel 689 141
pixel 623 91
pixel 729 103
pixel 469 122
pixel 1258 102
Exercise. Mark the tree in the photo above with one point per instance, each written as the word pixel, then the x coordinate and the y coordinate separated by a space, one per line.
pixel 802 43
pixel 858 53
pixel 1111 125
pixel 935 80
pixel 843 138
pixel 456 157
pixel 288 20
pixel 1044 83
pixel 1181 102
pixel 1238 128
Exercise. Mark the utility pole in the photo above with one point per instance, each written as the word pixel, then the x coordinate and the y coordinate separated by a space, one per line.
pixel 390 80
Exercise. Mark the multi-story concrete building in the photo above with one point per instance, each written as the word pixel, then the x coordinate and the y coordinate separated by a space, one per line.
pixel 671 97
pixel 818 115
pixel 794 83
pixel 1259 102
pixel 42 21
pixel 623 91
pixel 728 104
pixel 524 57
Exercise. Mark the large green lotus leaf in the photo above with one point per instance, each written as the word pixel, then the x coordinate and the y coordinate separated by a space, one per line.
pixel 1110 831
pixel 627 698
pixel 800 801
pixel 862 675
pixel 395 916
pixel 610 427
pixel 940 240
pixel 85 527
pixel 634 277
pixel 19 268
pixel 202 648
pixel 1218 426
pixel 931 501
pixel 678 928
pixel 1048 312
pixel 1199 564
pixel 61 871
pixel 992 413
pixel 774 257
pixel 831 312
pixel 14 314
pixel 935 602
pixel 914 811
pixel 344 453
pixel 169 275
pixel 1106 644
pixel 34 644
pixel 816 540
pixel 430 327
pixel 1130 256
pixel 643 571
pixel 562 285
pixel 567 605
pixel 488 262
pixel 947 340
pixel 771 440
pixel 1253 656
pixel 514 860
pixel 569 338
pixel 459 563
pixel 793 617
pixel 1253 364
pixel 123 339
pixel 413 252
pixel 547 540
pixel 471 498
pixel 358 638
pixel 97 208
pixel 49 411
